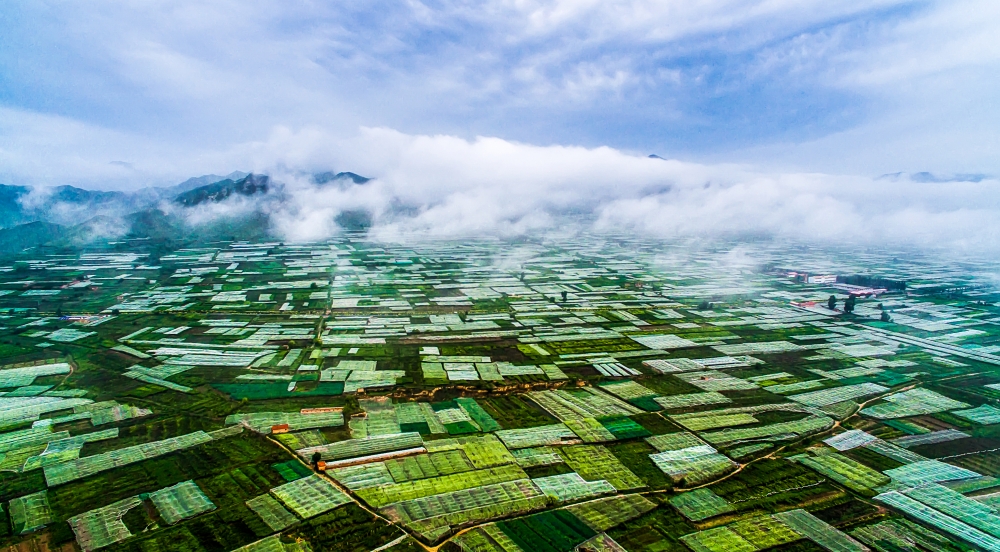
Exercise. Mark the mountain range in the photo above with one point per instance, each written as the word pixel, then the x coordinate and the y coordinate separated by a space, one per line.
pixel 68 216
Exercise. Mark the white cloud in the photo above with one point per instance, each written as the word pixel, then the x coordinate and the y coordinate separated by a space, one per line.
pixel 444 186
pixel 447 186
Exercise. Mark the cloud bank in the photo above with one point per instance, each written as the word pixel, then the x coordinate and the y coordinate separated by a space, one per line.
pixel 445 186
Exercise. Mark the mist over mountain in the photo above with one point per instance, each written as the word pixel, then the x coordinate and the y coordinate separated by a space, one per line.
pixel 234 206
pixel 415 187
pixel 220 191
pixel 925 176
pixel 199 181
pixel 341 178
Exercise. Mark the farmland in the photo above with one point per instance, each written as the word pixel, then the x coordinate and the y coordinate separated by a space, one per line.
pixel 357 395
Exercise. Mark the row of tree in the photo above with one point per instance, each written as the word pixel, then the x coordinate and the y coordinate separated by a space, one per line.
pixel 849 304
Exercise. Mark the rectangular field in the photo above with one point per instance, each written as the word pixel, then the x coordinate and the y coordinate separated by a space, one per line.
pixel 310 496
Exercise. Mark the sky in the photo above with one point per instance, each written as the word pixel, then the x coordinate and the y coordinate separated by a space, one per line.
pixel 122 95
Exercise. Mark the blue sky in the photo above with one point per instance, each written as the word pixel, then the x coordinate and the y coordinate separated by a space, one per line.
pixel 124 94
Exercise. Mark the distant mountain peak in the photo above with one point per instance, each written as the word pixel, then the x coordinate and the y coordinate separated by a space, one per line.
pixel 925 177
pixel 199 181
pixel 330 176
pixel 249 185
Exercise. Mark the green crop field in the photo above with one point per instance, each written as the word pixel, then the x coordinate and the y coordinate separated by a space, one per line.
pixel 354 394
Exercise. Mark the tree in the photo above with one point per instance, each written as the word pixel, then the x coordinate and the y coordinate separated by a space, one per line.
pixel 316 457
pixel 832 302
pixel 564 296
pixel 849 304
pixel 704 305
pixel 885 317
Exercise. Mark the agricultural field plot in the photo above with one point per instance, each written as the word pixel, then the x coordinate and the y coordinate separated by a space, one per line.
pixel 536 457
pixel 833 395
pixel 779 431
pixel 716 381
pixel 358 395
pixel 302 439
pixel 929 471
pixel 700 504
pixel 362 476
pixel 986 463
pixel 766 347
pixel 291 470
pixel 595 463
pixel 818 531
pixel 765 531
pixel 276 516
pixel 850 473
pixel 553 531
pixel 483 451
pixel 674 441
pixel 692 399
pixel 65 472
pixel 955 504
pixel 939 520
pixel 893 452
pixel 589 430
pixel 480 417
pixel 622 427
pixel 537 436
pixel 929 438
pixel 375 444
pixel 710 420
pixel 984 415
pixel 275 543
pixel 797 387
pixel 692 465
pixel 263 422
pixel 180 501
pixel 581 403
pixel 850 439
pixel 428 465
pixel 903 534
pixel 418 417
pixel 408 490
pixel 634 393
pixel 29 512
pixel 433 516
pixel 570 487
pixel 103 526
pixel 914 402
pixel 604 513
pixel 310 496
pixel 718 539
pixel 485 538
